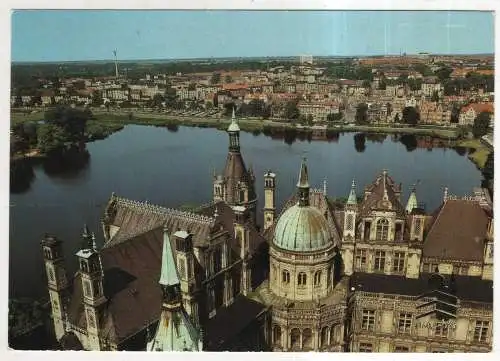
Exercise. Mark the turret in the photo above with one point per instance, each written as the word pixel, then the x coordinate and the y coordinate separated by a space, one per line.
pixel 234 135
pixel 175 331
pixel 412 201
pixel 92 277
pixel 56 280
pixel 350 212
pixel 269 199
pixel 185 265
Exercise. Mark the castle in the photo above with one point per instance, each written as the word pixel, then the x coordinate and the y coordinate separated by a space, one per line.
pixel 370 275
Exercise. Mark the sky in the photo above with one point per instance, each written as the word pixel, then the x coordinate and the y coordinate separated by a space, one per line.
pixel 72 35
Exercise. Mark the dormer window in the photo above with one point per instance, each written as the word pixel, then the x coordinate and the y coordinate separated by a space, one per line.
pixel 382 229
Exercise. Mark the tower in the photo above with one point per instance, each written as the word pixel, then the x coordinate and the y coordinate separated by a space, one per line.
pixel 185 265
pixel 116 64
pixel 175 330
pixel 269 199
pixel 236 185
pixel 412 201
pixel 92 276
pixel 242 236
pixel 56 280
pixel 351 208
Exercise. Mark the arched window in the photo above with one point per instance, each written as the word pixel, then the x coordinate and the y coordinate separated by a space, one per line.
pixel 277 335
pixel 324 336
pixel 382 229
pixel 317 278
pixel 295 339
pixel 350 222
pixel 302 279
pixel 285 277
pixel 242 196
pixel 307 339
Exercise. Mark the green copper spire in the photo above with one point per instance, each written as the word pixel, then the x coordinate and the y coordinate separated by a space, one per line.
pixel 412 201
pixel 352 194
pixel 168 276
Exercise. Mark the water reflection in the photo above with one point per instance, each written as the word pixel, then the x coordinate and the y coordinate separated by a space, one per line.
pixel 22 175
pixel 69 164
pixel 359 142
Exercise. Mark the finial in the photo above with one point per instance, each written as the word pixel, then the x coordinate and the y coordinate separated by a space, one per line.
pixel 353 184
pixel 94 244
pixel 303 176
pixel 445 196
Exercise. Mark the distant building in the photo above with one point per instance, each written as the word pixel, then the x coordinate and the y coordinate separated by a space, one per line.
pixel 306 59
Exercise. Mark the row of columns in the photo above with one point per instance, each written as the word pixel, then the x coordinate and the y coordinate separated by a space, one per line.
pixel 314 342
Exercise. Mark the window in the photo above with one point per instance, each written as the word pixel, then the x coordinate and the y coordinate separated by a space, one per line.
pixel 398 262
pixel 360 258
pixel 307 339
pixel 302 279
pixel 317 278
pixel 481 331
pixel 368 322
pixel 365 347
pixel 242 196
pixel 86 289
pixel 429 267
pixel 324 336
pixel 274 273
pixel 182 268
pixel 382 229
pixel 404 324
pixel 441 329
pixel 418 226
pixel 277 335
pixel 285 277
pixel 350 222
pixel 401 349
pixel 211 299
pixel 217 259
pixel 52 277
pixel 461 270
pixel 96 287
pixel 379 261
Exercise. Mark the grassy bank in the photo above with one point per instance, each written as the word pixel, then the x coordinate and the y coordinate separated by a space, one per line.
pixel 480 153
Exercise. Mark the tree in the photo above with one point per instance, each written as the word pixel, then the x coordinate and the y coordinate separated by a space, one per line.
pixel 489 167
pixel 51 138
pixel 411 116
pixel 366 84
pixel 396 118
pixel 157 100
pixel 228 79
pixel 332 117
pixel 215 78
pixel 72 121
pixel 291 110
pixel 361 116
pixel 443 73
pixel 192 86
pixel 481 124
pixel 97 98
pixel 382 84
pixel 409 141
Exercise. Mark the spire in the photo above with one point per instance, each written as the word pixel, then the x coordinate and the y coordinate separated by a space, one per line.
pixel 352 200
pixel 384 178
pixel 303 185
pixel 168 276
pixel 87 241
pixel 445 195
pixel 412 200
pixel 233 127
pixel 303 176
pixel 324 187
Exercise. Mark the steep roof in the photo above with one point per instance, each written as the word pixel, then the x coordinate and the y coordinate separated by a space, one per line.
pixel 234 173
pixel 168 274
pixel 457 231
pixel 381 193
pixel 135 218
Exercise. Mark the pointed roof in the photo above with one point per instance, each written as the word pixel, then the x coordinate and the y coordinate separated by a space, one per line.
pixel 412 201
pixel 175 332
pixel 233 127
pixel 303 176
pixel 168 275
pixel 352 194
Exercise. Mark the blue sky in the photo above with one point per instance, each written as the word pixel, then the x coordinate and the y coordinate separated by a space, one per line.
pixel 66 35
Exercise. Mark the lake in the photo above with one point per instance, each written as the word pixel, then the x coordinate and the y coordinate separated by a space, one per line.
pixel 175 167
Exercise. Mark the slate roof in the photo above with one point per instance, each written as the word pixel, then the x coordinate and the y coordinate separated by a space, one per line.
pixel 457 231
pixel 235 172
pixel 374 200
pixel 468 288
pixel 134 218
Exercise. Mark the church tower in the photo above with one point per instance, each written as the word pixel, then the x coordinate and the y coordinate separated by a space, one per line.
pixel 269 199
pixel 92 276
pixel 175 330
pixel 236 186
pixel 57 281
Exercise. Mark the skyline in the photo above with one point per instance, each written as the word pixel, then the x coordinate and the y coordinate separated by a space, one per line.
pixel 155 35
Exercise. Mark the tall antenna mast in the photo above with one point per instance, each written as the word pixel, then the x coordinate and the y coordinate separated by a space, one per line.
pixel 116 64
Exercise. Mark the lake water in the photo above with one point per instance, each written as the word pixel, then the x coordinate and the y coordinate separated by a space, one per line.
pixel 173 168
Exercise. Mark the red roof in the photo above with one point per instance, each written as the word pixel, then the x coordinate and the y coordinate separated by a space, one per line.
pixel 479 107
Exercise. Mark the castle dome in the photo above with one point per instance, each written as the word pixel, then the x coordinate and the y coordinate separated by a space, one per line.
pixel 302 229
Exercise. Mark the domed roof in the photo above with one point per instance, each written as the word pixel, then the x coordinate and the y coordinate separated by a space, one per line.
pixel 302 229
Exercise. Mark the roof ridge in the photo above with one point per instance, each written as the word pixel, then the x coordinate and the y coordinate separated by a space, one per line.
pixel 153 208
